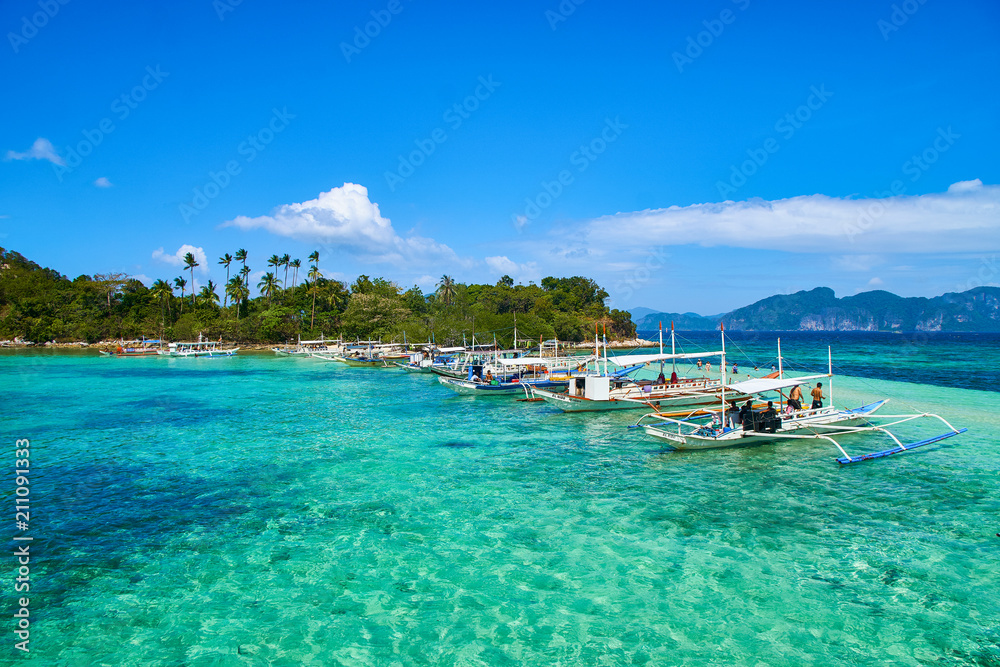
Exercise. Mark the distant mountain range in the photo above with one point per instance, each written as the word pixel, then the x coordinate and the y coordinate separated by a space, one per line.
pixel 819 309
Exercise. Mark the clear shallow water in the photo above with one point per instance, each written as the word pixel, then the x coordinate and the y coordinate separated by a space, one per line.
pixel 257 510
pixel 967 360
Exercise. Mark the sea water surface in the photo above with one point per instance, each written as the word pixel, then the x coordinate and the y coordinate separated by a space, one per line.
pixel 274 511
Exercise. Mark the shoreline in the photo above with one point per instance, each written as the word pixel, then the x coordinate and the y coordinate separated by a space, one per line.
pixel 267 347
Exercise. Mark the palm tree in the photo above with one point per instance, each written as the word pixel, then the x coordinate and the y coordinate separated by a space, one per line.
pixel 268 284
pixel 225 260
pixel 314 276
pixel 207 294
pixel 296 264
pixel 314 257
pixel 274 261
pixel 446 289
pixel 161 289
pixel 241 256
pixel 286 260
pixel 237 291
pixel 180 283
pixel 245 272
pixel 189 263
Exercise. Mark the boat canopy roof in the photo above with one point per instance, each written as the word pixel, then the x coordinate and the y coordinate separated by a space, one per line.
pixel 635 359
pixel 762 385
pixel 545 361
pixel 449 350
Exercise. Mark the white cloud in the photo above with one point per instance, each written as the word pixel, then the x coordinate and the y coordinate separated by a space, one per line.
pixel 345 217
pixel 42 149
pixel 962 219
pixel 426 282
pixel 103 182
pixel 875 282
pixel 177 259
pixel 965 186
pixel 501 265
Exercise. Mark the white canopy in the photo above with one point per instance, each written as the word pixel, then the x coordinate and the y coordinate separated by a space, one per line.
pixel 547 361
pixel 761 385
pixel 635 359
pixel 448 350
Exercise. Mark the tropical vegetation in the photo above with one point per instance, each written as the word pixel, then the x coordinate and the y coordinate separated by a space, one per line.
pixel 39 304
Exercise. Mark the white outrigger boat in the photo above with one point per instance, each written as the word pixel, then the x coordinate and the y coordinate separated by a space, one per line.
pixel 429 357
pixel 307 348
pixel 135 348
pixel 201 348
pixel 516 375
pixel 707 429
pixel 616 390
pixel 370 354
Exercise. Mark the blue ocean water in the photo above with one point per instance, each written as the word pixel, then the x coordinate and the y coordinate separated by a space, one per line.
pixel 273 511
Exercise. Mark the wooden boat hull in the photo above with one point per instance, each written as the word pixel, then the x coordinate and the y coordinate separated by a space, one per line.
pixel 504 388
pixel 362 362
pixel 204 354
pixel 827 419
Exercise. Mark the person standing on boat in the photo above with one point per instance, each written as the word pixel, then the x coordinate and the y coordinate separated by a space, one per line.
pixel 661 378
pixel 818 396
pixel 795 398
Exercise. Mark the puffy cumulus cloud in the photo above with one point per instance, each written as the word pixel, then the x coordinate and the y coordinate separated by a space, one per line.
pixel 177 259
pixel 966 186
pixel 346 217
pixel 503 265
pixel 103 182
pixel 42 149
pixel 962 219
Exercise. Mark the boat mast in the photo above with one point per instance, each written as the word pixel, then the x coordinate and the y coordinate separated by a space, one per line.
pixel 829 369
pixel 661 347
pixel 781 373
pixel 673 362
pixel 722 329
pixel 605 349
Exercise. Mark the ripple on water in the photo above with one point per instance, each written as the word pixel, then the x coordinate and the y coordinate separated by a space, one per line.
pixel 280 513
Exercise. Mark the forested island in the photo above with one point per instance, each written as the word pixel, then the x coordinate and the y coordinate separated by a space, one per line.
pixel 976 309
pixel 293 300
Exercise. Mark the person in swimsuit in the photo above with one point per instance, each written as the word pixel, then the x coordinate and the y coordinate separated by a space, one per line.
pixel 818 396
pixel 795 398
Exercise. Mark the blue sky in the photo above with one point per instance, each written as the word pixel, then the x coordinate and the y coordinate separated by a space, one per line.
pixel 688 156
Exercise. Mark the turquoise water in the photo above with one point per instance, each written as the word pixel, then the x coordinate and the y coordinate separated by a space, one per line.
pixel 262 510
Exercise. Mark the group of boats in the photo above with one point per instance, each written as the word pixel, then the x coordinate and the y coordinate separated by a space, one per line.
pixel 152 347
pixel 696 410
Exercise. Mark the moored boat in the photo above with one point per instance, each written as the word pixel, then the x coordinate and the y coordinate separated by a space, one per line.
pixel 726 427
pixel 145 347
pixel 200 348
